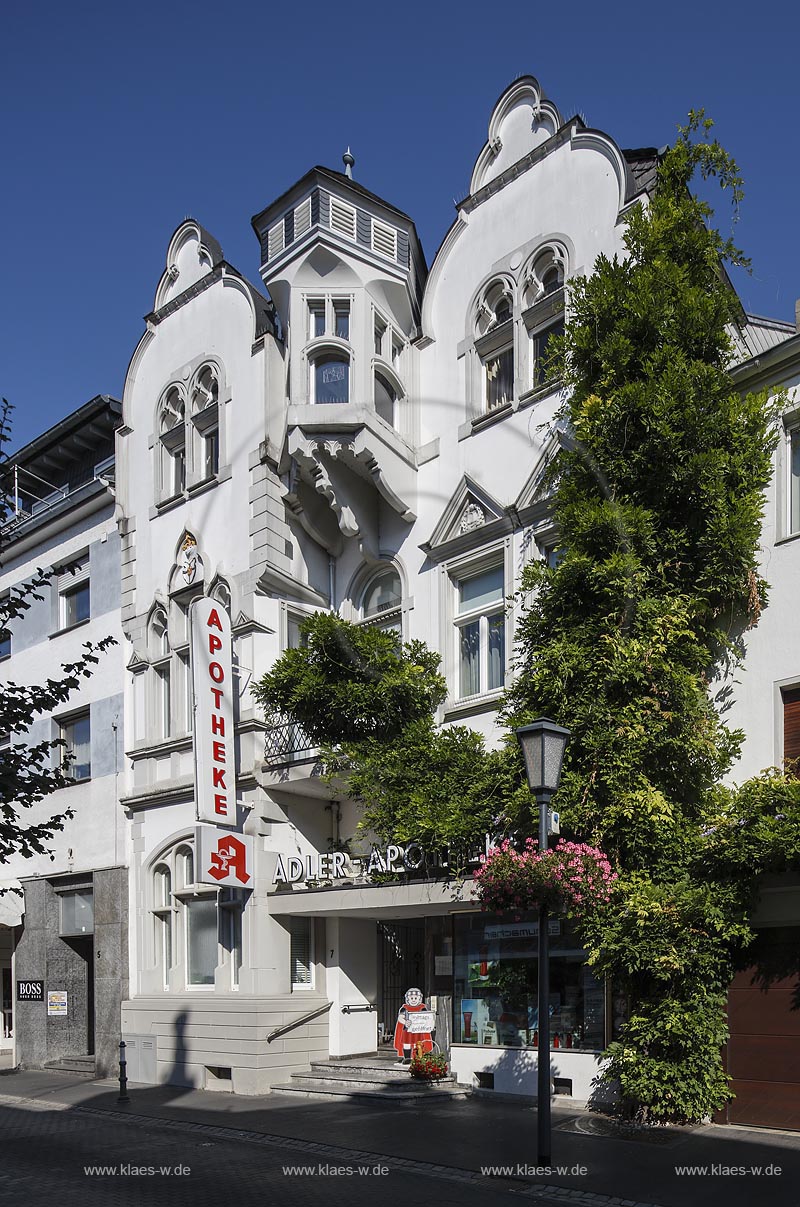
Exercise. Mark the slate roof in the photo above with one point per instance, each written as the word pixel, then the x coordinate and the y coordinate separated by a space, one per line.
pixel 643 166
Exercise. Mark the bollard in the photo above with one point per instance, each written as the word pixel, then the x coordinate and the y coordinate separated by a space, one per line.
pixel 123 1074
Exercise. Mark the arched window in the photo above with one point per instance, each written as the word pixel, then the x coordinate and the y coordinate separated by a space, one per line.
pixel 494 343
pixel 205 418
pixel 160 656
pixel 197 928
pixel 164 921
pixel 381 600
pixel 330 377
pixel 543 299
pixel 222 593
pixel 385 399
pixel 172 444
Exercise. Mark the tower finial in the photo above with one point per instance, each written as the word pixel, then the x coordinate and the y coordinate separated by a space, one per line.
pixel 348 161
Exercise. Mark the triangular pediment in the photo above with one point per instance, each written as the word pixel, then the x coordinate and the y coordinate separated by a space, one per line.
pixel 536 496
pixel 471 515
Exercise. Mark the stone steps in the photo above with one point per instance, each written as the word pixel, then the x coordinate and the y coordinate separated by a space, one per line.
pixel 376 1079
pixel 73 1064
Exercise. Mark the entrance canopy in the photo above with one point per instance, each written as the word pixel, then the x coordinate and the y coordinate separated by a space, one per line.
pixel 12 903
pixel 412 900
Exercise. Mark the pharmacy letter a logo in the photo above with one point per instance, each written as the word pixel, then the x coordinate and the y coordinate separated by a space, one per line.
pixel 229 860
pixel 224 859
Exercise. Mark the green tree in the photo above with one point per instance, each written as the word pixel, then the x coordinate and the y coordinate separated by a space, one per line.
pixel 28 773
pixel 632 638
pixel 369 701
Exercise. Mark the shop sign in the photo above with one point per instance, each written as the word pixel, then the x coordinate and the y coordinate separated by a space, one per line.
pixel 290 869
pixel 30 991
pixel 57 1004
pixel 520 930
pixel 224 859
pixel 212 686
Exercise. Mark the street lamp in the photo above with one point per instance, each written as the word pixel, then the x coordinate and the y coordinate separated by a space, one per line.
pixel 543 744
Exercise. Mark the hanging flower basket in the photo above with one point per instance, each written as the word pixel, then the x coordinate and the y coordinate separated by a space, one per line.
pixel 573 879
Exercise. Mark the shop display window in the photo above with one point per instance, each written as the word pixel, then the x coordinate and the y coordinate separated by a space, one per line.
pixel 495 991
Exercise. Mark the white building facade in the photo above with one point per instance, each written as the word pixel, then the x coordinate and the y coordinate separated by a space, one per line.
pixel 366 435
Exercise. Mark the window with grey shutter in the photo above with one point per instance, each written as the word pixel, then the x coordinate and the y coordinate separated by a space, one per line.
pixel 300 953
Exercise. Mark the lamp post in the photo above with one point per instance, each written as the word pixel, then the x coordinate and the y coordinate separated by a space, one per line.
pixel 543 744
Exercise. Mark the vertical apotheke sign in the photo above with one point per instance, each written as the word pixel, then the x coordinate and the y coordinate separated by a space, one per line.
pixel 212 685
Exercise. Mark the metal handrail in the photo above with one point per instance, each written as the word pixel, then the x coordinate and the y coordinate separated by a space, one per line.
pixel 298 1022
pixel 358 1009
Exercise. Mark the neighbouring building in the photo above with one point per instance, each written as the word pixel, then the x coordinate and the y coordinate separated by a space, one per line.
pixel 68 934
pixel 365 434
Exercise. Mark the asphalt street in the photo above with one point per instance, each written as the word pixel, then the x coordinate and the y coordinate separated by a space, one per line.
pixel 75 1157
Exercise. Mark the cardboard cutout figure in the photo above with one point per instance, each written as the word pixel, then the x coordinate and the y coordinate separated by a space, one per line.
pixel 406 1036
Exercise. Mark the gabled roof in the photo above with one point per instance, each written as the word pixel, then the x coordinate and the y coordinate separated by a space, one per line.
pixel 335 177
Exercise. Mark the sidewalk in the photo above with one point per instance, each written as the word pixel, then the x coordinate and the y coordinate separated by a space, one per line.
pixel 468 1135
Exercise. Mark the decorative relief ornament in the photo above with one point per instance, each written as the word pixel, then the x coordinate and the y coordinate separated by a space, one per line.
pixel 189 560
pixel 473 517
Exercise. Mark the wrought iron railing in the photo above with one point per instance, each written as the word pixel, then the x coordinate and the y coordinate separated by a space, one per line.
pixel 285 741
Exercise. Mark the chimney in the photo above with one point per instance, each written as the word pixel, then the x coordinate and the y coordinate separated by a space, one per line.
pixel 797 315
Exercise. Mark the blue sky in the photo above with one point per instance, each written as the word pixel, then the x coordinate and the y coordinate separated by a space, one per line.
pixel 118 120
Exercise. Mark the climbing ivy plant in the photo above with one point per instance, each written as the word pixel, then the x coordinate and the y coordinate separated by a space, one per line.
pixel 632 638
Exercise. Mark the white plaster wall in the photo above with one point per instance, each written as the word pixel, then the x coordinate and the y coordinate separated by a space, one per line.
pixel 516 1070
pixel 96 835
pixel 351 969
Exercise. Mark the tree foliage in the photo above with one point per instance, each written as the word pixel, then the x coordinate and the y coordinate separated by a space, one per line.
pixel 369 701
pixel 29 773
pixel 632 638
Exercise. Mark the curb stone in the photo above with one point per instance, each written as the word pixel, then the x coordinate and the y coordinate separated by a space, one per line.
pixel 518 1186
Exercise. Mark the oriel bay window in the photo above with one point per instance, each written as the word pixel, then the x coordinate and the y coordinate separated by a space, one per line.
pixel 480 624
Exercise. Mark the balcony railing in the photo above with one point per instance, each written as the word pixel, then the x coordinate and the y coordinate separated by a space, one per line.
pixel 286 742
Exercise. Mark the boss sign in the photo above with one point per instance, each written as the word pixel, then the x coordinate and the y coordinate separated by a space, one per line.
pixel 212 684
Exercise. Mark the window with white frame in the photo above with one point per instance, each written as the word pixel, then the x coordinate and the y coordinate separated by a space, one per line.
pixel 494 344
pixel 793 449
pixel 163 921
pixel 205 421
pixel 381 601
pixel 74 594
pixel 480 630
pixel 330 377
pixel 329 316
pixel 75 731
pixel 172 444
pixel 161 662
pixel 385 399
pixel 5 631
pixel 196 928
pixel 543 311
pixel 301 955
pixel 231 905
pixel 190 436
